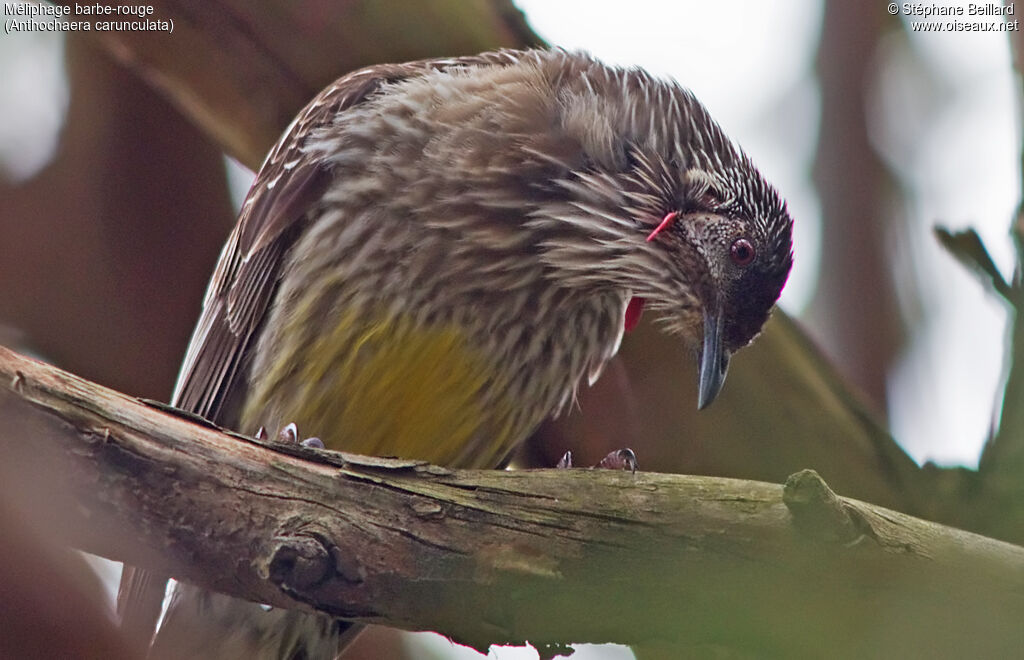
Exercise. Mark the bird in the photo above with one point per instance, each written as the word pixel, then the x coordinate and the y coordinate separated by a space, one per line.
pixel 436 254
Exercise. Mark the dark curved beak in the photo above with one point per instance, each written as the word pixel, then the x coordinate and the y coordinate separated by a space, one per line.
pixel 714 359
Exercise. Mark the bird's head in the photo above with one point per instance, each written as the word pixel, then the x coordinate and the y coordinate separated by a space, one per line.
pixel 735 256
pixel 684 220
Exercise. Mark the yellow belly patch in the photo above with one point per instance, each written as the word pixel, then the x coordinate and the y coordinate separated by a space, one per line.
pixel 383 386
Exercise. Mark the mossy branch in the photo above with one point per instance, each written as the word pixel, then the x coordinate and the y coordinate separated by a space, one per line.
pixel 549 556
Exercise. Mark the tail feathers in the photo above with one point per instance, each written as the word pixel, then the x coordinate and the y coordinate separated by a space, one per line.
pixel 202 624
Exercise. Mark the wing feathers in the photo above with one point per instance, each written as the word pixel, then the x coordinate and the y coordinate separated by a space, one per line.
pixel 271 219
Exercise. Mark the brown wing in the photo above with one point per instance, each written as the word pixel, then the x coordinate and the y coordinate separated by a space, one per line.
pixel 288 185
pixel 286 188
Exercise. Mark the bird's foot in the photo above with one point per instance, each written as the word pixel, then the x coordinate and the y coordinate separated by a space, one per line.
pixel 620 459
pixel 289 434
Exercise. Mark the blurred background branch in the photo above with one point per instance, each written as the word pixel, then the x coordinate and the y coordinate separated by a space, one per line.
pixel 241 70
pixel 1001 506
pixel 856 192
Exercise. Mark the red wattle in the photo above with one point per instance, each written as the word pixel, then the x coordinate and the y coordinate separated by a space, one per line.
pixel 634 309
pixel 665 222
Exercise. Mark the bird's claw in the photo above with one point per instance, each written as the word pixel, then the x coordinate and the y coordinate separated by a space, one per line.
pixel 289 434
pixel 620 459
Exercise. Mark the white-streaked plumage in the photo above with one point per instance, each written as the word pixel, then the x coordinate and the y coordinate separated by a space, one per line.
pixel 509 195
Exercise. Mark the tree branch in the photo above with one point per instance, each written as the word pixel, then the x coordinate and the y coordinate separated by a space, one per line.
pixel 550 556
pixel 242 70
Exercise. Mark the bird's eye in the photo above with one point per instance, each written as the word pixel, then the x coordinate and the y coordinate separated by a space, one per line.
pixel 742 252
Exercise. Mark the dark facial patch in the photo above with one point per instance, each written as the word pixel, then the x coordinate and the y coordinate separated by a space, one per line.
pixel 750 297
